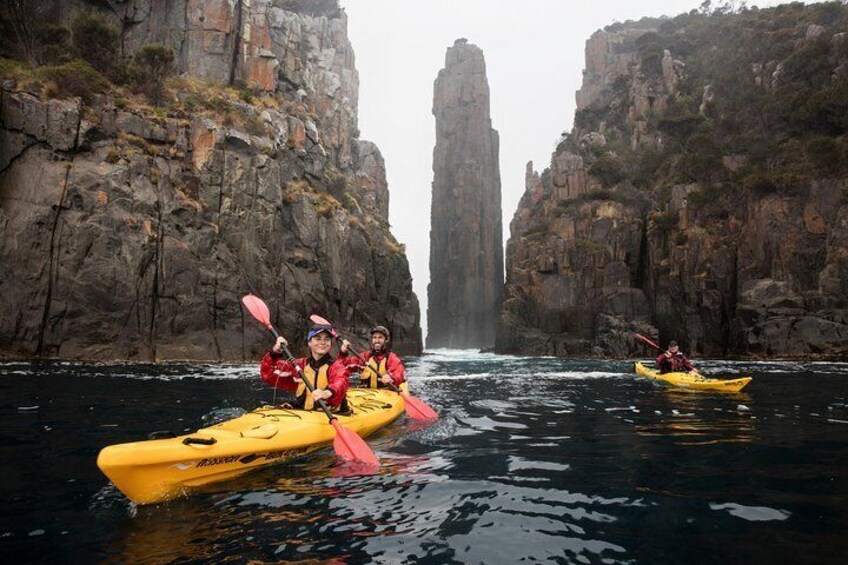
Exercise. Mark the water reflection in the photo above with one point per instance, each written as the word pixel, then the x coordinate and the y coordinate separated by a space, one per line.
pixel 696 419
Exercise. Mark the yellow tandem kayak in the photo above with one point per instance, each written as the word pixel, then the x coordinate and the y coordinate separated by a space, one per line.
pixel 160 469
pixel 692 382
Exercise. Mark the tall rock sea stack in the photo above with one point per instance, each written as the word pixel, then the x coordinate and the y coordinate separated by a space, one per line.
pixel 131 226
pixel 466 253
pixel 702 194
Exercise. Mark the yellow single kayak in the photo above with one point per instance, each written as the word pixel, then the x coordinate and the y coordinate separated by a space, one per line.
pixel 160 469
pixel 693 382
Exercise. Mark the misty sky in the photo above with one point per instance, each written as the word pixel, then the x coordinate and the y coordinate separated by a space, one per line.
pixel 534 54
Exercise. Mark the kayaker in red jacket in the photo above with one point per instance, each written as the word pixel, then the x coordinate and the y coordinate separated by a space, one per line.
pixel 329 377
pixel 673 361
pixel 382 366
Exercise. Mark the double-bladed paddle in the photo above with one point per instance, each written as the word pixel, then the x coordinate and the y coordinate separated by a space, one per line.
pixel 416 408
pixel 346 444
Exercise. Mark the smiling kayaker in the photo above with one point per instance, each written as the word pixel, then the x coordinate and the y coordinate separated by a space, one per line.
pixel 329 377
pixel 673 361
pixel 382 366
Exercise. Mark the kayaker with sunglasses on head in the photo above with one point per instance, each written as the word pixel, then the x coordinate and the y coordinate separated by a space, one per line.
pixel 381 367
pixel 328 376
pixel 673 361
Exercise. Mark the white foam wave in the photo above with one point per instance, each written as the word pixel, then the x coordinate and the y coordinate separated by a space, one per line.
pixel 573 375
pixel 466 355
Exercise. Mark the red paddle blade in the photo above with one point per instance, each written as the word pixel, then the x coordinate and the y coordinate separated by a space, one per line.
pixel 417 409
pixel 257 308
pixel 316 319
pixel 351 447
pixel 647 341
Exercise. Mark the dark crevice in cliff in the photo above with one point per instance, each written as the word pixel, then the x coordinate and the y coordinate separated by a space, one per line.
pixel 243 346
pixel 296 284
pixel 52 260
pixel 642 270
pixel 236 41
pixel 729 312
pixel 128 20
pixel 158 269
pixel 130 310
pixel 18 319
pixel 216 246
pixel 374 270
pixel 77 134
pixel 183 55
pixel 12 161
pixel 215 308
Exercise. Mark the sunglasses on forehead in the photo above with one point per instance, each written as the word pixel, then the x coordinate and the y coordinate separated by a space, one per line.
pixel 318 329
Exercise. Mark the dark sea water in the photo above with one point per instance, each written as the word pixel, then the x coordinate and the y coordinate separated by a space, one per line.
pixel 533 460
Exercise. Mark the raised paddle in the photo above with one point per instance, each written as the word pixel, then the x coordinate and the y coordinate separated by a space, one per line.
pixel 416 408
pixel 346 444
pixel 650 343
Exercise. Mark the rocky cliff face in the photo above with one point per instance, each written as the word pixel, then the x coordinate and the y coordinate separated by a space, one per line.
pixel 684 204
pixel 132 232
pixel 466 253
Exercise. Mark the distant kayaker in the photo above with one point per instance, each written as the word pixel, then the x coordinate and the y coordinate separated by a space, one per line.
pixel 382 365
pixel 673 361
pixel 329 377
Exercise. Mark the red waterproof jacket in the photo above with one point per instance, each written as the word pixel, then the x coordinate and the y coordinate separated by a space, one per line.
pixel 393 363
pixel 279 372
pixel 675 364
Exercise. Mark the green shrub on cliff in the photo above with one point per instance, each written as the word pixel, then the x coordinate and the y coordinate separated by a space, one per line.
pixel 700 160
pixel 776 99
pixel 825 155
pixel 95 41
pixel 154 63
pixel 55 44
pixel 759 183
pixel 608 169
pixel 665 221
pixel 533 230
pixel 650 50
pixel 76 78
pixel 13 70
pixel 649 165
pixel 325 205
pixel 680 126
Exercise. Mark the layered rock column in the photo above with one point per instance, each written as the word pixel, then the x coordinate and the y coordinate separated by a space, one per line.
pixel 466 250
